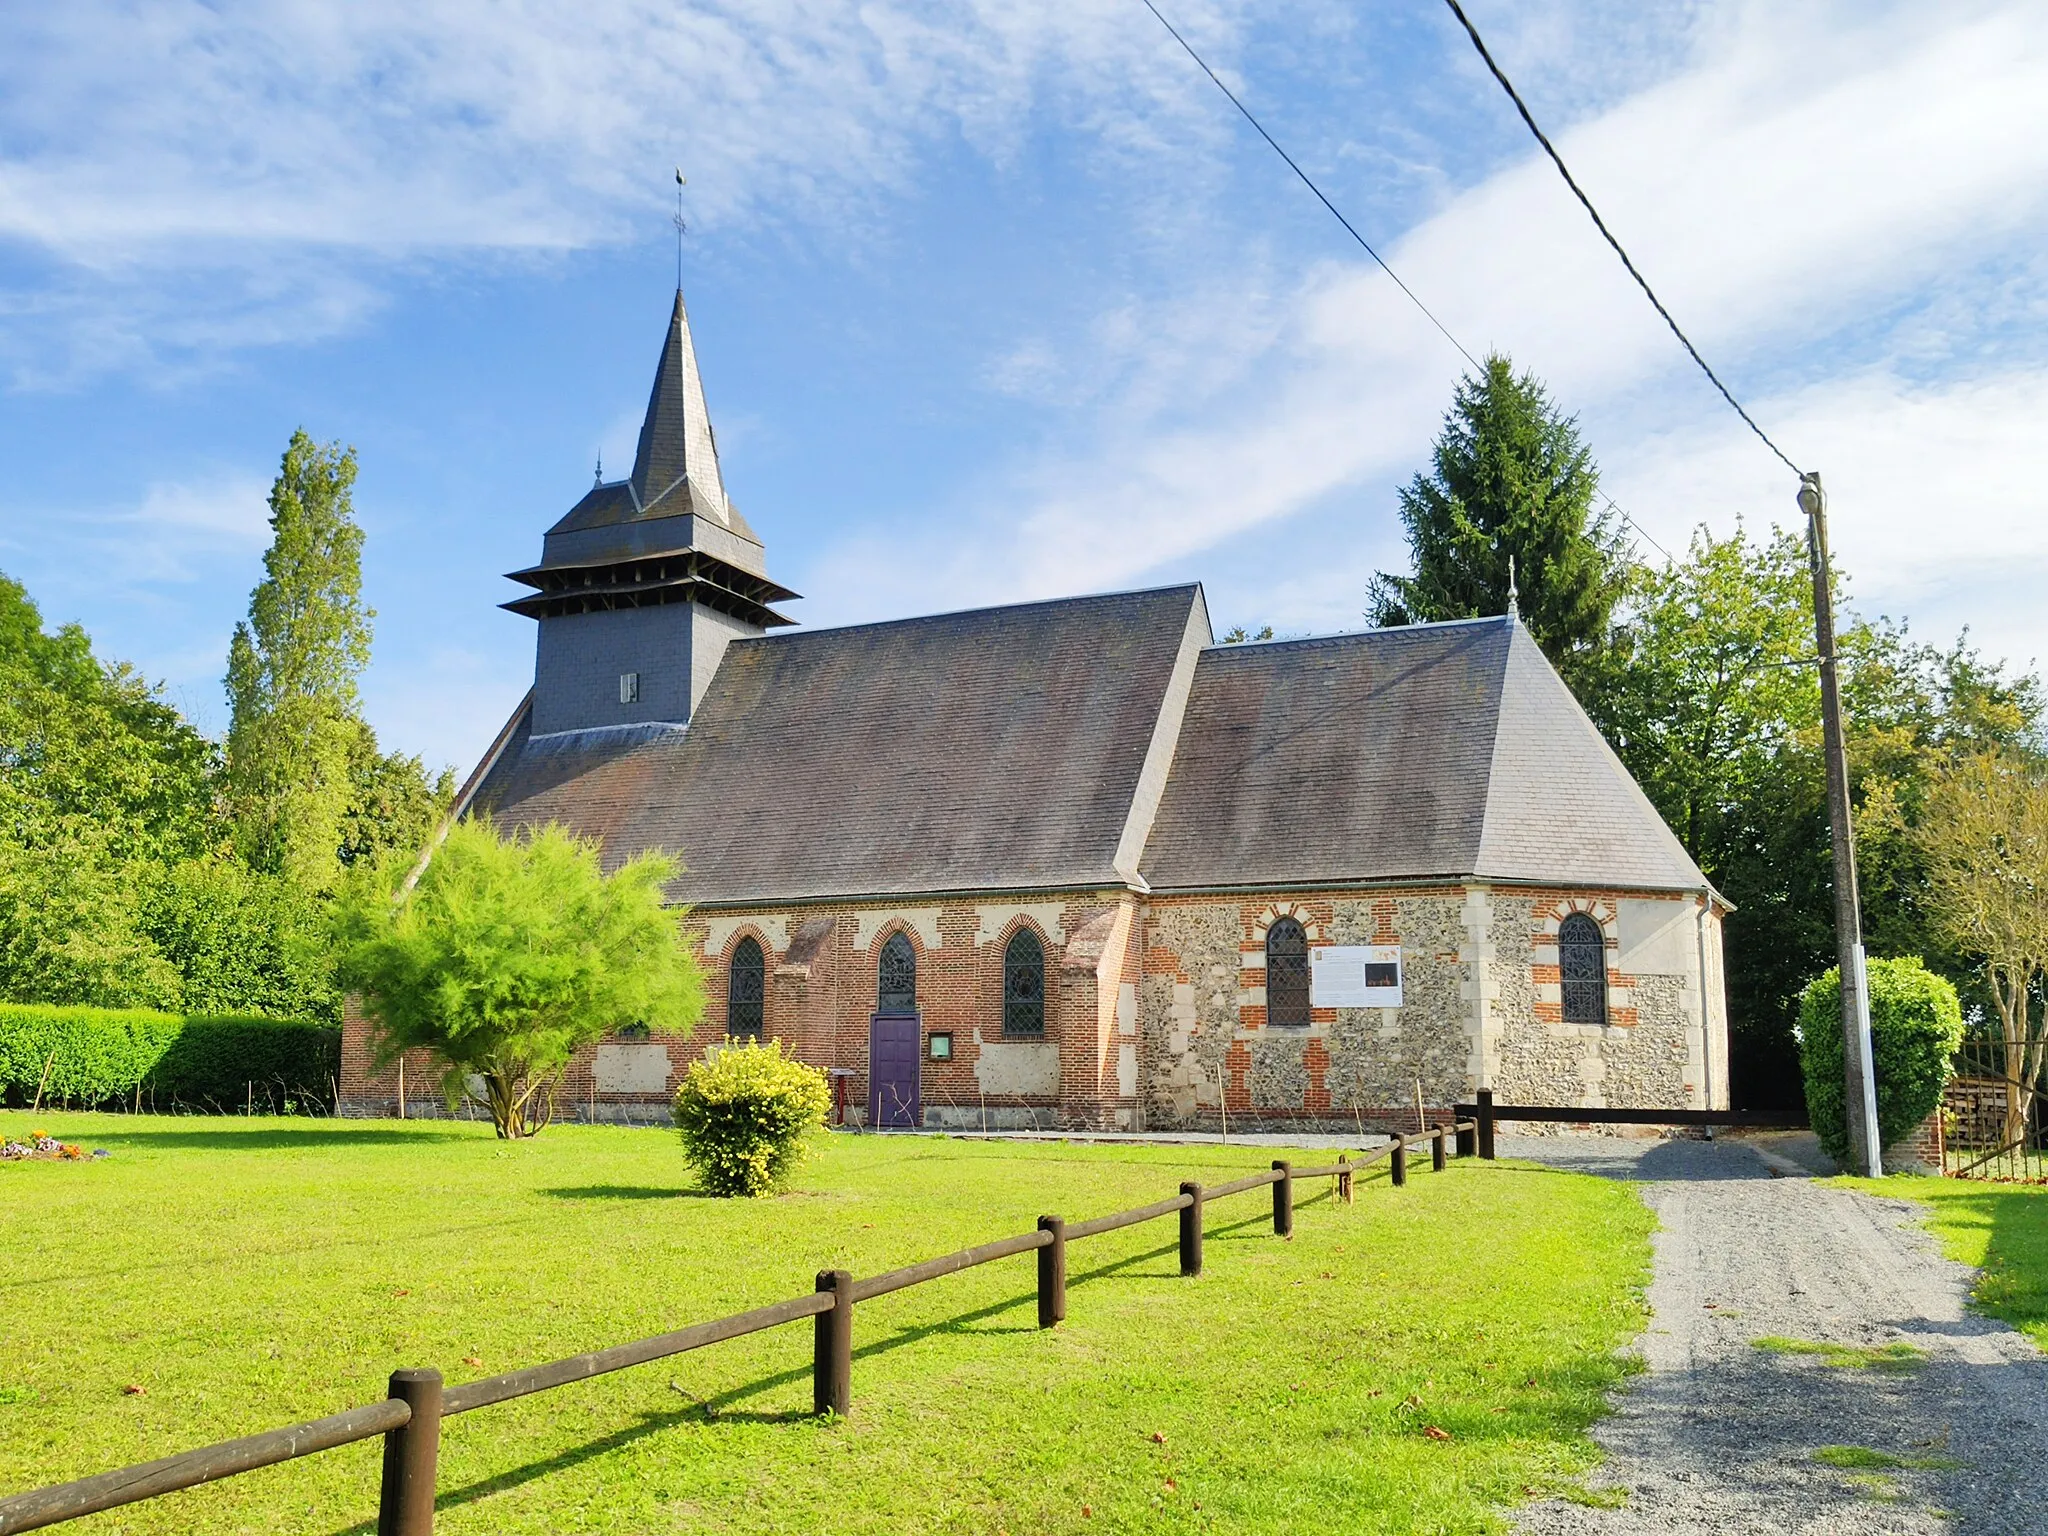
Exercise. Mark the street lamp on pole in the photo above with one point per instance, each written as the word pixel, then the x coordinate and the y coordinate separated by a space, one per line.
pixel 1859 1098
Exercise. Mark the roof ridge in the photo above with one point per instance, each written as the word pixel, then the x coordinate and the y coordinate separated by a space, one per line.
pixel 966 613
pixel 1372 632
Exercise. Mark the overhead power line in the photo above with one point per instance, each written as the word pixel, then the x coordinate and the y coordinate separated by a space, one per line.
pixel 1600 224
pixel 1307 182
pixel 1352 231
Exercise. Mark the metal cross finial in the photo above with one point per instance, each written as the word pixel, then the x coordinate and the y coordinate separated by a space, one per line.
pixel 681 227
pixel 1514 606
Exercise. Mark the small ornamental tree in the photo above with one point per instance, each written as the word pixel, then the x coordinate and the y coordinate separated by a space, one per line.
pixel 1916 1024
pixel 508 955
pixel 746 1113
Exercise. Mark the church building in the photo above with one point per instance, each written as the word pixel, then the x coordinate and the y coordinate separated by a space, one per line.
pixel 1074 864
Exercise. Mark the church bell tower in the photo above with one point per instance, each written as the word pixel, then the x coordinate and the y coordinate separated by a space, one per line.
pixel 643 585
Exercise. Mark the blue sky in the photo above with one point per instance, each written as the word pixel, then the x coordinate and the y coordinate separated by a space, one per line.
pixel 993 300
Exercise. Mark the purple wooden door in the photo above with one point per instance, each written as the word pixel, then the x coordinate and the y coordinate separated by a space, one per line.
pixel 894 1062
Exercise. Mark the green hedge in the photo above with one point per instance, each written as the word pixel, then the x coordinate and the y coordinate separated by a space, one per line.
pixel 1916 1024
pixel 103 1055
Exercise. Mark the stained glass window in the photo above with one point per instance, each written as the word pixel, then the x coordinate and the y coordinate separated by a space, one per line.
pixel 1582 968
pixel 746 991
pixel 1287 974
pixel 1024 985
pixel 896 984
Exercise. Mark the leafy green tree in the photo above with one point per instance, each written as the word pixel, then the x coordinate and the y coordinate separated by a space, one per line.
pixel 241 941
pixel 393 806
pixel 1510 480
pixel 292 671
pixel 89 750
pixel 1710 696
pixel 510 954
pixel 71 929
pixel 1707 684
pixel 1985 834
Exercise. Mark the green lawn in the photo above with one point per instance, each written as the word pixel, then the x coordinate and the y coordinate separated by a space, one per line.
pixel 248 1274
pixel 2002 1229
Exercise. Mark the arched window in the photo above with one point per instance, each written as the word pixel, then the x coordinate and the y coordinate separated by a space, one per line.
pixel 896 980
pixel 1582 968
pixel 746 990
pixel 1287 974
pixel 1024 985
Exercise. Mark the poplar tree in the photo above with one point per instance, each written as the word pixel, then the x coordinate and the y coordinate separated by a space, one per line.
pixel 292 671
pixel 1509 480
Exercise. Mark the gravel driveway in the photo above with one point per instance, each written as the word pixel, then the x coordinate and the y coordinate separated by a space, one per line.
pixel 1719 1435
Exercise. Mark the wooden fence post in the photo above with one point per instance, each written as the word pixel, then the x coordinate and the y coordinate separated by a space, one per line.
pixel 1468 1140
pixel 1191 1230
pixel 832 1352
pixel 1397 1161
pixel 1343 1178
pixel 1283 1199
pixel 405 1502
pixel 1437 1153
pixel 1052 1273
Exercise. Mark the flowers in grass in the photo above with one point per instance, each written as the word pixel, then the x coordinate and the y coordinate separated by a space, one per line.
pixel 41 1146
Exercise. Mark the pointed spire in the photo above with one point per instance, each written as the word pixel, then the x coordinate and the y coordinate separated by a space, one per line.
pixel 675 439
pixel 1514 604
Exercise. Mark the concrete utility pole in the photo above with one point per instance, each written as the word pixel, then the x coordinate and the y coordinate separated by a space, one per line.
pixel 1859 1097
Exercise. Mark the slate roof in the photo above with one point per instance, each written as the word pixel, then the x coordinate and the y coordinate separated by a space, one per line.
pixel 999 749
pixel 675 435
pixel 1435 751
pixel 675 465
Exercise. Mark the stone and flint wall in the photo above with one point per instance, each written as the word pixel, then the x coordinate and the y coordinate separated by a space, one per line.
pixel 1482 1005
pixel 1155 1011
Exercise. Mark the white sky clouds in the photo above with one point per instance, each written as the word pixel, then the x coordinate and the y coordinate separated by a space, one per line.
pixel 1845 203
pixel 1784 220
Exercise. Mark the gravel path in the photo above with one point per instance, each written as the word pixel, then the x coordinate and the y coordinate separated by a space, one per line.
pixel 1720 1436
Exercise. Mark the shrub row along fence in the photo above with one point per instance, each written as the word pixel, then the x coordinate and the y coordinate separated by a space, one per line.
pixel 410 1418
pixel 138 1058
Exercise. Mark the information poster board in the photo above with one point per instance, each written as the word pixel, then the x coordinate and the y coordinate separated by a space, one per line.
pixel 1355 976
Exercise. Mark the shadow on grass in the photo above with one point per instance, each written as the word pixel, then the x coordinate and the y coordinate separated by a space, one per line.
pixel 2012 1222
pixel 273 1138
pixel 720 1408
pixel 295 1246
pixel 624 1192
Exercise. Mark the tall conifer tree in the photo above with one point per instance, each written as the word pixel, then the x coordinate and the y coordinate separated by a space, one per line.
pixel 292 670
pixel 1510 479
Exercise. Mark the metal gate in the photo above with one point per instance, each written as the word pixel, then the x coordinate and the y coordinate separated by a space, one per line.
pixel 895 1063
pixel 1992 1123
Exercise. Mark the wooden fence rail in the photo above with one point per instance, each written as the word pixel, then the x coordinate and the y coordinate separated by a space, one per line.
pixel 1485 1115
pixel 409 1418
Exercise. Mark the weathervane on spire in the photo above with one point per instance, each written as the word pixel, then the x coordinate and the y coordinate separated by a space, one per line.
pixel 1514 606
pixel 681 228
